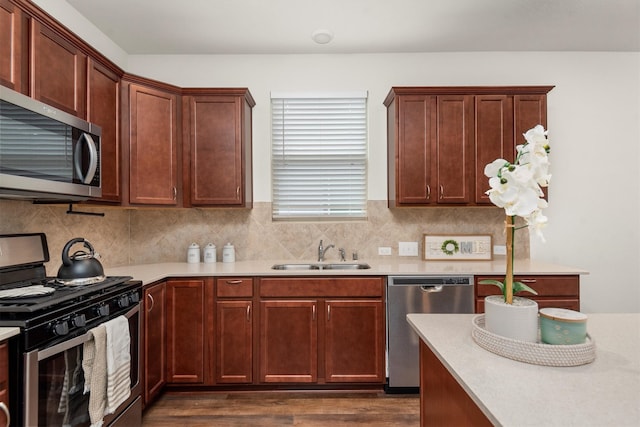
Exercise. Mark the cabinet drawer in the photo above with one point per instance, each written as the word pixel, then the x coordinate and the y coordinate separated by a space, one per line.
pixel 543 285
pixel 570 304
pixel 321 287
pixel 234 287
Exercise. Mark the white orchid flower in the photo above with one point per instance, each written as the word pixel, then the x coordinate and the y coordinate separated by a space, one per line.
pixel 493 168
pixel 517 187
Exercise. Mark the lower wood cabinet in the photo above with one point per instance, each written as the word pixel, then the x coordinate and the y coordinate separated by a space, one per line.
pixel 322 330
pixel 561 291
pixel 443 401
pixel 354 341
pixel 289 341
pixel 244 330
pixel 155 344
pixel 187 308
pixel 234 331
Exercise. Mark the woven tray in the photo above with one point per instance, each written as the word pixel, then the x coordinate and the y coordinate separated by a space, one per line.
pixel 534 353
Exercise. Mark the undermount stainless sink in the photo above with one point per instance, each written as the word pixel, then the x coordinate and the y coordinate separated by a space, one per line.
pixel 334 266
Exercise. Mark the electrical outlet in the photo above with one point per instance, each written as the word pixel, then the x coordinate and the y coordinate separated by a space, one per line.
pixel 384 250
pixel 408 248
pixel 499 250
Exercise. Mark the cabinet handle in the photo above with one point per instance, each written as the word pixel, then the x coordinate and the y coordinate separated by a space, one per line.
pixel 233 282
pixel 313 312
pixel 428 191
pixel 328 312
pixel 4 408
pixel 248 312
pixel 175 193
pixel 528 280
pixel 238 192
pixel 441 192
pixel 152 303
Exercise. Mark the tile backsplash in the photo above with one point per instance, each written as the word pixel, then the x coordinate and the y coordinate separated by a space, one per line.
pixel 149 235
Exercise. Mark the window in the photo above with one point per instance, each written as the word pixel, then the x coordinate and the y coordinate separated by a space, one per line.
pixel 319 156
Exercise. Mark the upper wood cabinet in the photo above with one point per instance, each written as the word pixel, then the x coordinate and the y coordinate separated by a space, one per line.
pixel 151 145
pixel 14 47
pixel 58 70
pixel 103 109
pixel 441 138
pixel 217 147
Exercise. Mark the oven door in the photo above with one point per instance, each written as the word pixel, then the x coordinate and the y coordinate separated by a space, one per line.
pixel 54 382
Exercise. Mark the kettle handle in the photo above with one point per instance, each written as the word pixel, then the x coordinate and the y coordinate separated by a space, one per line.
pixel 65 251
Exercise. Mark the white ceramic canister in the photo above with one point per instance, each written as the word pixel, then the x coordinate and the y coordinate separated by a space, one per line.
pixel 228 253
pixel 210 253
pixel 193 253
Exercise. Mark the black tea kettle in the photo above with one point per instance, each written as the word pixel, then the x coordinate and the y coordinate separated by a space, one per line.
pixel 81 268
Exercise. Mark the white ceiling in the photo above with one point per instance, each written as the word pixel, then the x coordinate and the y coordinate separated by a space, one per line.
pixel 365 26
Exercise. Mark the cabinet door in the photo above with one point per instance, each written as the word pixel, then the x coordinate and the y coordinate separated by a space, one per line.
pixel 234 337
pixel 153 145
pixel 155 343
pixel 288 341
pixel 216 151
pixel 493 137
pixel 454 156
pixel 529 111
pixel 186 331
pixel 14 48
pixel 413 150
pixel 59 71
pixel 103 101
pixel 354 340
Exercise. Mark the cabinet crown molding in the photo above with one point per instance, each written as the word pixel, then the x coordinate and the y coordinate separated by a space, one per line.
pixel 465 90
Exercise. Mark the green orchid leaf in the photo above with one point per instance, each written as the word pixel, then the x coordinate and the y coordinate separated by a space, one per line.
pixel 519 286
pixel 493 282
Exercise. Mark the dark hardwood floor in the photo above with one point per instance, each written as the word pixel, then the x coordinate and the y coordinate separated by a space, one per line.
pixel 283 408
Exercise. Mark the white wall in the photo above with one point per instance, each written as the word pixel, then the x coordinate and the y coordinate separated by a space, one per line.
pixel 593 119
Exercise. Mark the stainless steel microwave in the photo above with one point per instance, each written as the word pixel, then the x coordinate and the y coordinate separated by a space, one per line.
pixel 45 153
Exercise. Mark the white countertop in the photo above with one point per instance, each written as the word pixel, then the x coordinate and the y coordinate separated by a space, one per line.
pixel 6 333
pixel 603 393
pixel 149 273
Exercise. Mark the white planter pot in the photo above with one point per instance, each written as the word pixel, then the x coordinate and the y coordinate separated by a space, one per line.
pixel 518 321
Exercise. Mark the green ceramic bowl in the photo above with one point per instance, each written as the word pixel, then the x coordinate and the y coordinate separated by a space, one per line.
pixel 562 326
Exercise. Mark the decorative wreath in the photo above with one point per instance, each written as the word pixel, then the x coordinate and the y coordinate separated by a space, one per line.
pixel 450 247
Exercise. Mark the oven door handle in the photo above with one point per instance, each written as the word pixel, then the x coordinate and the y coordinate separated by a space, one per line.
pixel 66 345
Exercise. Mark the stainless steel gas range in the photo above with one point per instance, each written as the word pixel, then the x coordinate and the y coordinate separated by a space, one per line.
pixel 48 361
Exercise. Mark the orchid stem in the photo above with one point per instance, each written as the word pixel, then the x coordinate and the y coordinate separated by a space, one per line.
pixel 508 283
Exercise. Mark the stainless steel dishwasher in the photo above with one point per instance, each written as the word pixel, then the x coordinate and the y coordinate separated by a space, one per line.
pixel 418 294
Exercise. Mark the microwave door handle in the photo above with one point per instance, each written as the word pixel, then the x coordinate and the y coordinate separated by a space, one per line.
pixel 93 158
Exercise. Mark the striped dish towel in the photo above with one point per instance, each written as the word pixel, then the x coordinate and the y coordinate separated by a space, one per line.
pixel 118 363
pixel 94 365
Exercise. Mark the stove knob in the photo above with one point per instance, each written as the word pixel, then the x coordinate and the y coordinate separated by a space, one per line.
pixel 102 310
pixel 134 297
pixel 124 301
pixel 61 328
pixel 79 320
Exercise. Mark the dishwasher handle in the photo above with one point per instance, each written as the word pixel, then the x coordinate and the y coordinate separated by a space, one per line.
pixel 431 289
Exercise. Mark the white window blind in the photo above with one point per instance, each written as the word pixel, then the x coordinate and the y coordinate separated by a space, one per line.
pixel 319 157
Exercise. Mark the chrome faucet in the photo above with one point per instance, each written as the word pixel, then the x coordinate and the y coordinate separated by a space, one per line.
pixel 322 250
